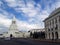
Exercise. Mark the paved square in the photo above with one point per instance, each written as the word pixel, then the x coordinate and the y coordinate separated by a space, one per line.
pixel 25 42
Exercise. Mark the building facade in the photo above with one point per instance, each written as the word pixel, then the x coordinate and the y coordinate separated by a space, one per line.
pixel 14 31
pixel 52 25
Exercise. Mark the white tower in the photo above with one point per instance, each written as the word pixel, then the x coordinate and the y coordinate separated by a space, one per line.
pixel 13 25
pixel 13 30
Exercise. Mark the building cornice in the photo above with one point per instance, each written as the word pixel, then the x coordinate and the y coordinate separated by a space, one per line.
pixel 55 12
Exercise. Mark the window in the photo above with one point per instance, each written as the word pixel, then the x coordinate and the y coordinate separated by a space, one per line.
pixel 49 35
pixel 55 20
pixel 17 32
pixel 52 35
pixel 51 29
pixel 50 23
pixel 48 29
pixel 56 27
pixel 59 18
pixel 56 34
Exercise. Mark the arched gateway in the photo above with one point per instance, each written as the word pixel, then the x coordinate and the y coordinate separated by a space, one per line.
pixel 11 35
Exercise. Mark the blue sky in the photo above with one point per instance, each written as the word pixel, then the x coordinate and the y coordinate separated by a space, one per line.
pixel 29 13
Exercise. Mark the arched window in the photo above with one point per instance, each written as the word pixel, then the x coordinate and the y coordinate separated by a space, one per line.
pixel 49 35
pixel 52 35
pixel 56 35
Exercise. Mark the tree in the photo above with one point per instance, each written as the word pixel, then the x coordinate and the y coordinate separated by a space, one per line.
pixel 39 35
pixel 31 34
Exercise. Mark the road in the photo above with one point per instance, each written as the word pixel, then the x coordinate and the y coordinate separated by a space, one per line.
pixel 25 42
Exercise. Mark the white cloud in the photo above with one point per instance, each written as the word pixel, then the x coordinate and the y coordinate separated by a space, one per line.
pixel 57 4
pixel 15 3
pixel 26 26
pixel 11 3
pixel 29 12
pixel 35 14
pixel 29 9
pixel 4 21
pixel 44 14
pixel 1 3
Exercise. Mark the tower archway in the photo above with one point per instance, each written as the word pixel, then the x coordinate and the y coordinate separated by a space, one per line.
pixel 11 35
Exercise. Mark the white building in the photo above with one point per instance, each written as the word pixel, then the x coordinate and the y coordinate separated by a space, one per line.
pixel 52 25
pixel 14 32
pixel 26 34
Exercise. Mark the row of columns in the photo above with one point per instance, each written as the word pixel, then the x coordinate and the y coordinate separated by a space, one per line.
pixel 53 34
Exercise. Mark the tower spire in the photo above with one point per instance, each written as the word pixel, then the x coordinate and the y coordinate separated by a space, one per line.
pixel 13 26
pixel 14 18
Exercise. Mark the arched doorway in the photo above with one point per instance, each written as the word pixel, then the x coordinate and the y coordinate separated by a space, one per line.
pixel 11 35
pixel 56 35
pixel 52 35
